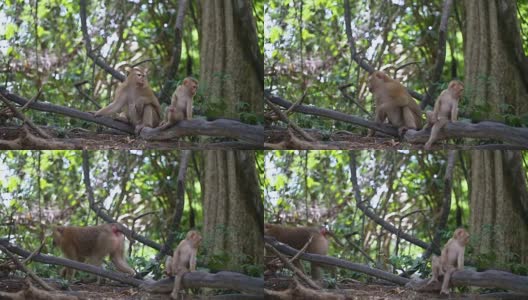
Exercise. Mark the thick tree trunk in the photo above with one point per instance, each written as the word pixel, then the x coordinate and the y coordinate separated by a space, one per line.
pixel 227 71
pixel 497 217
pixel 494 78
pixel 232 199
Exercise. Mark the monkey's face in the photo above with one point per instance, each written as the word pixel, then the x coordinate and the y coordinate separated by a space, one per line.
pixel 140 78
pixel 459 90
pixel 375 80
pixel 462 235
pixel 192 87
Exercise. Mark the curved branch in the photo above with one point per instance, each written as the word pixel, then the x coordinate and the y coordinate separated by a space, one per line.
pixel 116 74
pixel 353 53
pixel 70 112
pixel 332 114
pixel 99 211
pixel 176 53
pixel 372 215
pixel 332 261
pixel 440 54
pixel 48 259
pixel 446 206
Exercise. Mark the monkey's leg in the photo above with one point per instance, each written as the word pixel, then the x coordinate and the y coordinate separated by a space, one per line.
pixel 409 118
pixel 120 263
pixel 317 273
pixel 434 132
pixel 429 119
pixel 177 285
pixel 379 118
pixel 150 116
pixel 447 277
pixel 435 269
pixel 98 262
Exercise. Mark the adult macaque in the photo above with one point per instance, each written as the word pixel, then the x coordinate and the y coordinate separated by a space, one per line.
pixel 445 110
pixel 451 259
pixel 394 103
pixel 297 237
pixel 183 259
pixel 135 99
pixel 91 244
pixel 181 103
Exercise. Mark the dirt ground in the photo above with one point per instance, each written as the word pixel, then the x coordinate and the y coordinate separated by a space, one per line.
pixel 107 290
pixel 89 140
pixel 352 289
pixel 281 139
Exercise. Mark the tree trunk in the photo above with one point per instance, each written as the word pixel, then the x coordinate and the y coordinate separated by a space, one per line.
pixel 232 208
pixel 227 71
pixel 496 217
pixel 494 77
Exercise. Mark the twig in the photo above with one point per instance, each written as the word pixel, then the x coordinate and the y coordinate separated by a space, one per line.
pixel 79 89
pixel 26 270
pixel 295 270
pixel 303 249
pixel 22 117
pixel 285 119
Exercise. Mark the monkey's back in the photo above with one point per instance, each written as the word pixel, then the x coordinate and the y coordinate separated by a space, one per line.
pixel 297 237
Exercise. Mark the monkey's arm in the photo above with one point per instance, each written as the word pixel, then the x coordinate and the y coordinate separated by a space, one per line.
pixel 460 262
pixel 192 261
pixel 189 109
pixel 454 113
pixel 436 108
pixel 115 106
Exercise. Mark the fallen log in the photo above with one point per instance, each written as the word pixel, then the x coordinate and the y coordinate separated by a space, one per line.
pixel 253 134
pixel 226 280
pixel 70 112
pixel 332 261
pixel 221 127
pixel 482 130
pixel 48 259
pixel 486 279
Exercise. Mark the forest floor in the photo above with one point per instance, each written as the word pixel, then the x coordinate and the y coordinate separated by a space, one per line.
pixel 352 289
pixel 106 290
pixel 282 139
pixel 84 139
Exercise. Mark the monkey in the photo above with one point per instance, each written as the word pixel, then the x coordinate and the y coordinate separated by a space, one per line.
pixel 297 237
pixel 394 103
pixel 92 244
pixel 136 100
pixel 445 110
pixel 181 102
pixel 183 259
pixel 451 259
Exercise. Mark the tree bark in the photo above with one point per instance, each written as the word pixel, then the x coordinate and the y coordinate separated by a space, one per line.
pixel 228 71
pixel 232 202
pixel 494 78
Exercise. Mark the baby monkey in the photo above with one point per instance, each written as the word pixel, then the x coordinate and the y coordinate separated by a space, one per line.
pixel 181 103
pixel 183 259
pixel 451 259
pixel 445 110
